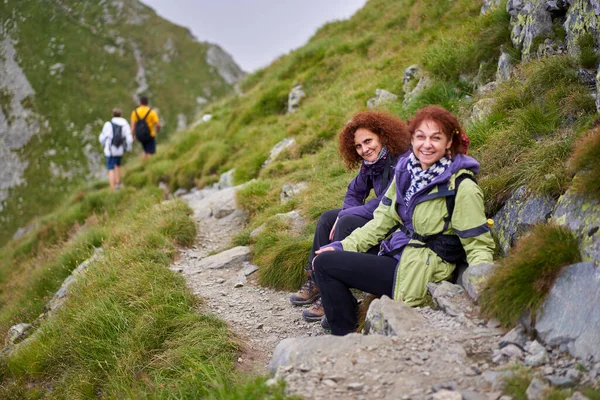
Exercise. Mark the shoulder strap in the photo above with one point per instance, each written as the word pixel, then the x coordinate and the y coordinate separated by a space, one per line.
pixel 144 119
pixel 451 199
pixel 387 171
pixel 136 114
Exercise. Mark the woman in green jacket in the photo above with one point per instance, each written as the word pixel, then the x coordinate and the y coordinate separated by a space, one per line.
pixel 421 239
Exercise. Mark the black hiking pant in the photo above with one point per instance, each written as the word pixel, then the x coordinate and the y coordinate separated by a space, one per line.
pixel 345 226
pixel 336 272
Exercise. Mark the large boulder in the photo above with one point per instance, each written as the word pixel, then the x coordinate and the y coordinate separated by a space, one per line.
pixel 296 94
pixel 583 16
pixel 581 213
pixel 520 213
pixel 569 316
pixel 382 97
pixel 475 278
pixel 530 20
pixel 391 318
pixel 279 147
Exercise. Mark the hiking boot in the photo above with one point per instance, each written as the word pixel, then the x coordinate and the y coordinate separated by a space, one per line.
pixel 307 294
pixel 325 324
pixel 315 312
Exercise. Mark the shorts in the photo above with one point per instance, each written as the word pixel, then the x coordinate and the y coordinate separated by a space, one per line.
pixel 149 146
pixel 112 161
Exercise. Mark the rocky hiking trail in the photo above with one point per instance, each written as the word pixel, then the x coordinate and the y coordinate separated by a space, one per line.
pixel 422 353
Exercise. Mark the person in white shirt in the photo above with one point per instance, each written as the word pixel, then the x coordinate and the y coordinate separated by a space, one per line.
pixel 116 139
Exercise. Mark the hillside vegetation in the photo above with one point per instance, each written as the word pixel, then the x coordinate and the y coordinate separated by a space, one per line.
pixel 131 327
pixel 65 65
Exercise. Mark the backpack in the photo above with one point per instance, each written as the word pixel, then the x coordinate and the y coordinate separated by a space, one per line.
pixel 142 130
pixel 117 139
pixel 447 247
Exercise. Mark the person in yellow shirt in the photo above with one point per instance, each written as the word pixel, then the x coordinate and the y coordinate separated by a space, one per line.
pixel 146 125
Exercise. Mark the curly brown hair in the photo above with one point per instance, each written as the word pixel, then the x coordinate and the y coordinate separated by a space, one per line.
pixel 447 122
pixel 392 131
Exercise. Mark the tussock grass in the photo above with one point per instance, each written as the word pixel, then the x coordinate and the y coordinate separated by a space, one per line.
pixel 282 259
pixel 529 136
pixel 527 274
pixel 585 160
pixel 131 328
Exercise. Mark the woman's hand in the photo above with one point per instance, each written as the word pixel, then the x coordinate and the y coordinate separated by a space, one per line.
pixel 323 250
pixel 332 231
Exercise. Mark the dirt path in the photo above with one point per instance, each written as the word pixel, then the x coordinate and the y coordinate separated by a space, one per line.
pixel 261 317
pixel 450 352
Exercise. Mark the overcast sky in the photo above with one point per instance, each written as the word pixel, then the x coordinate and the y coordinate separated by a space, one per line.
pixel 254 32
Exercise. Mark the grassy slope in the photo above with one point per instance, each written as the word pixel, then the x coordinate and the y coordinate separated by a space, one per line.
pixel 92 82
pixel 340 68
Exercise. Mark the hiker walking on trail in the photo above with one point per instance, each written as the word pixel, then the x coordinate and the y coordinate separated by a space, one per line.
pixel 373 140
pixel 430 219
pixel 116 139
pixel 145 125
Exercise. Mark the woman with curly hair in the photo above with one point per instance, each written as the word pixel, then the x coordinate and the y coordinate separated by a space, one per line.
pixel 373 140
pixel 427 222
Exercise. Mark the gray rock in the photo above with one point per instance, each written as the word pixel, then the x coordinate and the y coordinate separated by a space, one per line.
pixel 495 379
pixel 391 317
pixel 489 5
pixel 226 179
pixel 258 231
pixel 180 192
pixel 582 17
pixel 481 110
pixel 512 352
pixel 516 336
pixel 294 220
pixel 475 277
pixel 447 395
pixel 290 190
pixel 520 213
pixel 597 90
pixel 472 395
pixel 411 77
pixel 447 297
pixel 536 389
pixel 60 296
pixel 581 213
pixel 279 147
pixel 298 351
pixel 503 73
pixel 578 396
pixel 569 316
pixel 561 381
pixel 486 89
pixel 423 83
pixel 296 94
pixel 529 22
pixel 537 355
pixel 249 269
pixel 227 259
pixel 224 64
pixel 382 97
pixel 17 333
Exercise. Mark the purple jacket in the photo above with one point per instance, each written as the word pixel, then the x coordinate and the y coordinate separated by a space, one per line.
pixel 369 177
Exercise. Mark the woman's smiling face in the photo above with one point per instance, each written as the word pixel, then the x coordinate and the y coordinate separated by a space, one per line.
pixel 367 144
pixel 429 143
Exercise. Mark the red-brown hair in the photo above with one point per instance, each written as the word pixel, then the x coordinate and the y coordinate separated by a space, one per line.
pixel 448 124
pixel 392 132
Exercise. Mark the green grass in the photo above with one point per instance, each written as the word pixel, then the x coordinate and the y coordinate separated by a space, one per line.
pixel 130 327
pixel 528 138
pixel 588 57
pixel 92 83
pixel 527 274
pixel 585 160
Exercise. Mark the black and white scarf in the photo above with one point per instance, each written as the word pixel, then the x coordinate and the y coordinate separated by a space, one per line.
pixel 382 153
pixel 420 178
